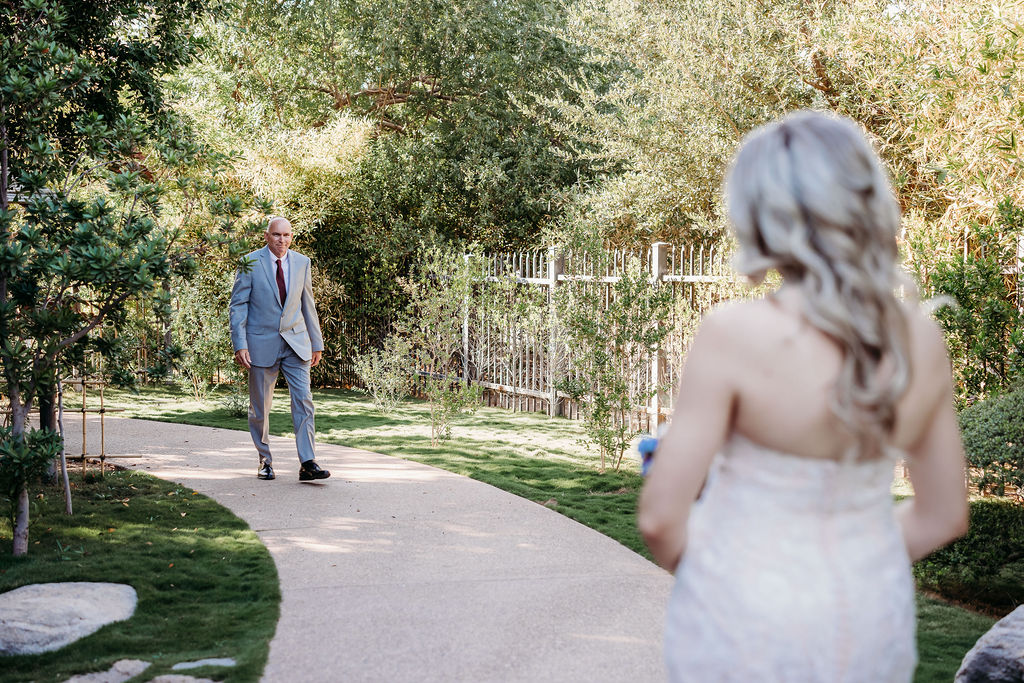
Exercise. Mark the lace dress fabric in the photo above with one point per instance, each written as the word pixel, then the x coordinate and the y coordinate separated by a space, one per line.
pixel 796 571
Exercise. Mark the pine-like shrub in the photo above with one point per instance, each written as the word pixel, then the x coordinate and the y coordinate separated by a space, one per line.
pixel 993 433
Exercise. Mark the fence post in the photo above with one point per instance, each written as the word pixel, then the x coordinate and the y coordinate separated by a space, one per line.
pixel 556 265
pixel 659 268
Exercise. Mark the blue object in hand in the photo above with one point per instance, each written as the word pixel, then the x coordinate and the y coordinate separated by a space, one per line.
pixel 646 448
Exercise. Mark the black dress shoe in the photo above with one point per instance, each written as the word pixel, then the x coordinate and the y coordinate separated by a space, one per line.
pixel 310 471
pixel 266 472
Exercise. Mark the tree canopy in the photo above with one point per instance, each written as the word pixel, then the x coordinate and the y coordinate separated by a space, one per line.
pixel 935 84
pixel 453 149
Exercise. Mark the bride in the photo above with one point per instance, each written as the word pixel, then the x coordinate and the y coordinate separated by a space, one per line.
pixel 793 563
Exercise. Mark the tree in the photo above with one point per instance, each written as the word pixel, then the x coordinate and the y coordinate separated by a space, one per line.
pixel 105 194
pixel 677 85
pixel 984 325
pixel 455 151
pixel 440 297
pixel 935 84
pixel 612 328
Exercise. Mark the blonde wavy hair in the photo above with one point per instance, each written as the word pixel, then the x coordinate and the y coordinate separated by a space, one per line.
pixel 808 196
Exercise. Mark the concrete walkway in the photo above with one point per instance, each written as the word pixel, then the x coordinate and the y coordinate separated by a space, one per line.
pixel 395 571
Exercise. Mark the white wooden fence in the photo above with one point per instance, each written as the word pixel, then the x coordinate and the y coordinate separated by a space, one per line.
pixel 520 364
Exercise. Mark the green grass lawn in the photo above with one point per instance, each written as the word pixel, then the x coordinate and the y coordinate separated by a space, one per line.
pixel 529 455
pixel 207 587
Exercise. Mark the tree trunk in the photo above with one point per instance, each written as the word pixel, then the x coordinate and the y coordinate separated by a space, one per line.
pixel 21 524
pixel 19 412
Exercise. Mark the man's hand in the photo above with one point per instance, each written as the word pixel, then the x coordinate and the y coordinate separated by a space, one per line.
pixel 242 358
pixel 315 360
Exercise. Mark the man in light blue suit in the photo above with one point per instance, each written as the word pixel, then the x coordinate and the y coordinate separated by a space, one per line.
pixel 274 329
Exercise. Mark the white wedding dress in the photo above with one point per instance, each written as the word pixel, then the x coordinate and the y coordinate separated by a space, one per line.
pixel 795 571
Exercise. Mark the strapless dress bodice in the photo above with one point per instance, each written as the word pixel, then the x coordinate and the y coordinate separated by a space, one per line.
pixel 805 484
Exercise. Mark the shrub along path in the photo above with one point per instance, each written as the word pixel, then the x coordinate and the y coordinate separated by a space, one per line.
pixel 394 570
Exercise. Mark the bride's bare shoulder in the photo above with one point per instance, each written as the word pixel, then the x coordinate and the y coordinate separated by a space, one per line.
pixel 742 315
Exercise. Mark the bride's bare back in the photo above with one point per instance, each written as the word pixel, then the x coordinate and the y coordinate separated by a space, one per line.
pixel 783 372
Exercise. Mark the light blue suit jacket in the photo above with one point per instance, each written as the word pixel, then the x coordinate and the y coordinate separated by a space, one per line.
pixel 258 320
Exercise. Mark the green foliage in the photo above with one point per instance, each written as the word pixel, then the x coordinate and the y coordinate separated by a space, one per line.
pixel 385 373
pixel 937 85
pixel 378 124
pixel 993 434
pixel 676 84
pixel 679 84
pixel 236 400
pixel 202 330
pixel 91 162
pixel 442 82
pixel 449 399
pixel 984 328
pixel 24 459
pixel 440 292
pixel 608 347
pixel 985 567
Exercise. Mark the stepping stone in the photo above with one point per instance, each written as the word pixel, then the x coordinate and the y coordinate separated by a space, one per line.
pixel 120 672
pixel 47 616
pixel 221 661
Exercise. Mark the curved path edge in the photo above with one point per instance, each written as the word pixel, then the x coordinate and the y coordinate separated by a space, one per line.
pixel 395 571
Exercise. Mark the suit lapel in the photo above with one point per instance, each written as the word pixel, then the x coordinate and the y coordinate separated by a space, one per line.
pixel 295 271
pixel 267 261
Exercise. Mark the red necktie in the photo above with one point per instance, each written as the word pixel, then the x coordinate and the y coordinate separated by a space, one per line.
pixel 280 281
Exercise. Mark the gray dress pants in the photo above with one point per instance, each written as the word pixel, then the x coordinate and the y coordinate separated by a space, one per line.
pixel 261 396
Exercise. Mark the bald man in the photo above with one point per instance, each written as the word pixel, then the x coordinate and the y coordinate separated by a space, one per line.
pixel 275 329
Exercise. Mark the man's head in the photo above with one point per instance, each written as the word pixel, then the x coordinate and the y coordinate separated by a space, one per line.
pixel 279 236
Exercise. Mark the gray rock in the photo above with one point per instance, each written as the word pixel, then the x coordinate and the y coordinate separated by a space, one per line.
pixel 998 656
pixel 179 678
pixel 222 661
pixel 120 672
pixel 47 616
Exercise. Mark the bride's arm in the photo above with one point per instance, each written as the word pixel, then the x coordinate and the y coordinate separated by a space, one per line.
pixel 700 422
pixel 937 513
